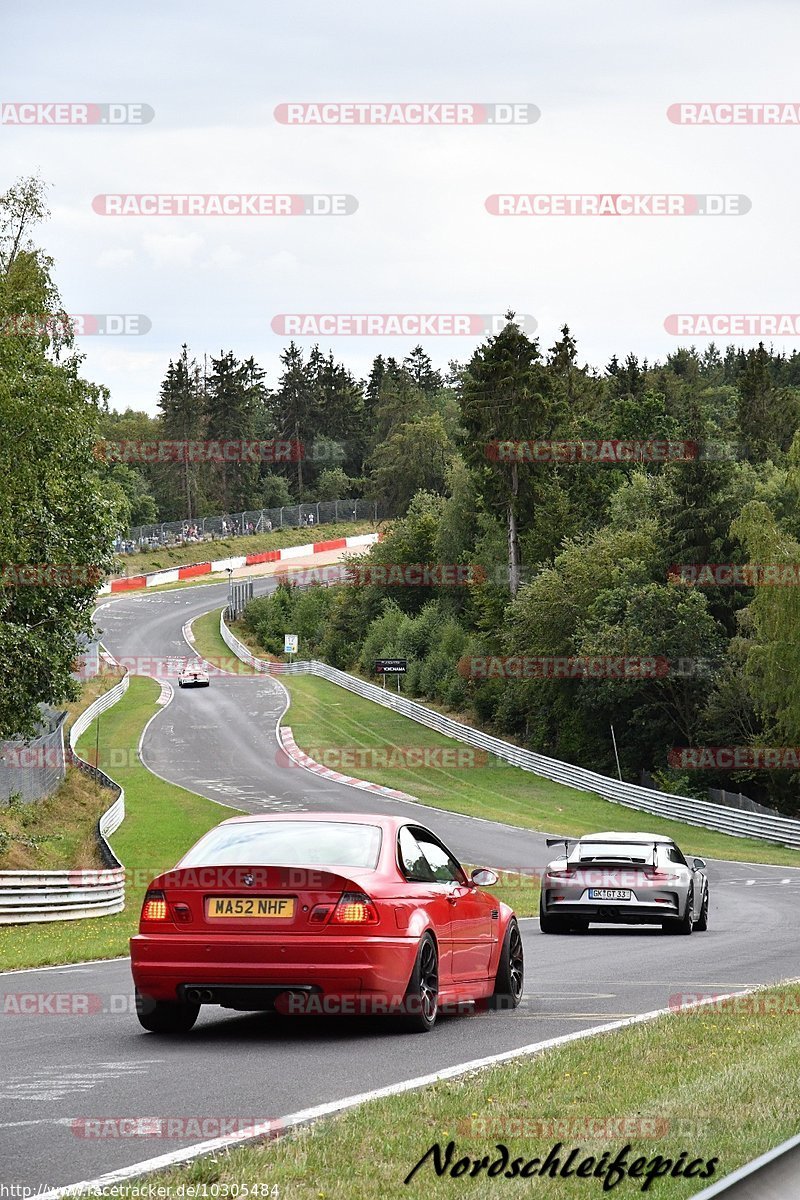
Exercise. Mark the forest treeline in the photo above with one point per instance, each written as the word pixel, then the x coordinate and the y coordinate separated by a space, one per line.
pixel 577 560
pixel 568 560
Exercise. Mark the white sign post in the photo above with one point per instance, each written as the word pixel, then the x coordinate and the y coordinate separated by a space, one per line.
pixel 290 643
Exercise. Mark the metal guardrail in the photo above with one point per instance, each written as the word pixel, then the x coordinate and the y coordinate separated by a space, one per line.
pixel 33 769
pixel 783 830
pixel 772 1176
pixel 36 896
pixel 262 520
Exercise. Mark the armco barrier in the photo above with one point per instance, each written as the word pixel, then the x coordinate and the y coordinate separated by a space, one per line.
pixel 782 830
pixel 35 896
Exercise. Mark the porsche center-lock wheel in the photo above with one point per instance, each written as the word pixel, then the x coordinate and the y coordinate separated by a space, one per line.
pixel 165 1016
pixel 510 977
pixel 421 1004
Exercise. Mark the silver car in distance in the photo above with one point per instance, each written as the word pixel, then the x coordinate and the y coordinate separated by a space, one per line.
pixel 623 879
pixel 193 675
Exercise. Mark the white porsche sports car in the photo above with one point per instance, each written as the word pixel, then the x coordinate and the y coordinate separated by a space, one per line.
pixel 623 879
pixel 193 675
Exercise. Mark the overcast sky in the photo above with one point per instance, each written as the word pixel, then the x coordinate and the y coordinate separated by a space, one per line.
pixel 421 240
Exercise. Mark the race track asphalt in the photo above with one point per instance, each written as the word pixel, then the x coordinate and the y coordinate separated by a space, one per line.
pixel 220 742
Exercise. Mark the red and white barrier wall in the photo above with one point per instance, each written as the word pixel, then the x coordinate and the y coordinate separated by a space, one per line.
pixel 156 578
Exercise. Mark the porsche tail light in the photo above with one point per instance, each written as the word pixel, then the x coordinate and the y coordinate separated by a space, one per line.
pixel 663 876
pixel 354 908
pixel 155 906
pixel 559 875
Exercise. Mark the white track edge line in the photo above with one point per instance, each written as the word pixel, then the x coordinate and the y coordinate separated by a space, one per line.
pixel 308 1115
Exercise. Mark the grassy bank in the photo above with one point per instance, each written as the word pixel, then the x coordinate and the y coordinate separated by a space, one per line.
pixel 324 717
pixel 162 558
pixel 718 1085
pixel 161 822
pixel 341 728
pixel 55 834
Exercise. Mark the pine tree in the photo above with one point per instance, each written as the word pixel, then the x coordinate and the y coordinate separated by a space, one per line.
pixel 181 403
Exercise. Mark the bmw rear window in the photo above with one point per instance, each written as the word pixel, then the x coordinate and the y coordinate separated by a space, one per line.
pixel 288 844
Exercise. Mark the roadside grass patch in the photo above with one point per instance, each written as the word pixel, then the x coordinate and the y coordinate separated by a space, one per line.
pixel 57 833
pixel 208 644
pixel 516 889
pixel 162 821
pixel 324 717
pixel 713 1083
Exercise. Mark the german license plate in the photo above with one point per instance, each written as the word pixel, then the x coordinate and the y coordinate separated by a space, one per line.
pixel 609 894
pixel 218 908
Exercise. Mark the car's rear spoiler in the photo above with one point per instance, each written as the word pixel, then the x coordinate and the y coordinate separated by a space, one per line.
pixel 565 842
pixel 654 846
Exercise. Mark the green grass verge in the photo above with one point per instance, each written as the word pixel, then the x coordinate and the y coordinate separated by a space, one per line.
pixel 324 716
pixel 716 1084
pixel 161 822
pixel 174 556
pixel 208 644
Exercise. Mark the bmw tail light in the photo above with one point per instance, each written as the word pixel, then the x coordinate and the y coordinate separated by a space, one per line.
pixel 155 906
pixel 354 908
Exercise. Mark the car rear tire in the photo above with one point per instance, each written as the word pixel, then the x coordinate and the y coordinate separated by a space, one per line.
pixel 684 924
pixel 510 978
pixel 701 924
pixel 421 1003
pixel 165 1016
pixel 549 924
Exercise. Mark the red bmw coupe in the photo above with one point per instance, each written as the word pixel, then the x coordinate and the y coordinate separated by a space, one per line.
pixel 322 913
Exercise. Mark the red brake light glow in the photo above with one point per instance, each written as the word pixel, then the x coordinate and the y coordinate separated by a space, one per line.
pixel 354 908
pixel 155 906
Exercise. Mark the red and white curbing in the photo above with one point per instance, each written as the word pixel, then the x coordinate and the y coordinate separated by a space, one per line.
pixel 157 578
pixel 293 752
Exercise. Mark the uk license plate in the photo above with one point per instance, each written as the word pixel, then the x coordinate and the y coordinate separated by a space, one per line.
pixel 220 908
pixel 609 894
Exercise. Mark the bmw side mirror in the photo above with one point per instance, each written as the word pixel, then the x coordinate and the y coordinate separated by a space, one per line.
pixel 483 877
